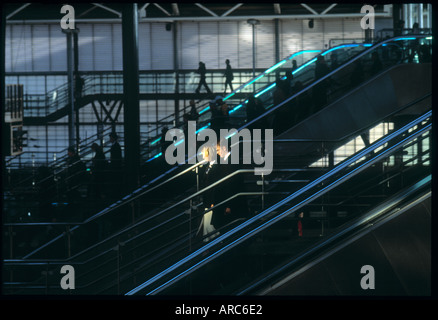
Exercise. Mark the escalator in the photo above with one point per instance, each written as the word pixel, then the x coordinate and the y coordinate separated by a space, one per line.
pixel 353 195
pixel 150 246
pixel 144 208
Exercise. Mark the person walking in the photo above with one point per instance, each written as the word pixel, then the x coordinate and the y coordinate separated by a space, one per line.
pixel 202 72
pixel 229 77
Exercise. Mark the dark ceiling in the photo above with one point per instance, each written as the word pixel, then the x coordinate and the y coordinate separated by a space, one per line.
pixel 109 10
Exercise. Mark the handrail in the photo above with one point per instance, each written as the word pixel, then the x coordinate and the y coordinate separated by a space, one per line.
pixel 252 220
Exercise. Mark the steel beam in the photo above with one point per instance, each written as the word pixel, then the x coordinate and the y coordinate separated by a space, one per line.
pixel 131 109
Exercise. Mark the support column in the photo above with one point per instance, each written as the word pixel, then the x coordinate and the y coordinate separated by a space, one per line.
pixel 71 92
pixel 277 44
pixel 76 72
pixel 131 110
pixel 2 91
pixel 420 16
pixel 397 13
pixel 176 69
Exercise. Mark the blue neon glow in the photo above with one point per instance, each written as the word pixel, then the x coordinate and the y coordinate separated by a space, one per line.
pixel 264 90
pixel 302 52
pixel 155 141
pixel 340 47
pixel 254 80
pixel 154 157
pixel 304 65
pixel 229 96
pixel 237 108
pixel 405 39
pixel 204 110
pixel 179 142
pixel 205 127
pixel 275 66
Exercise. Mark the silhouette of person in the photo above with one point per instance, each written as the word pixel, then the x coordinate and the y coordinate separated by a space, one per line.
pixel 294 65
pixel 75 173
pixel 377 65
pixel 208 177
pixel 229 77
pixel 253 108
pixel 334 61
pixel 202 72
pixel 98 169
pixel 193 113
pixel 115 163
pixel 415 44
pixel 222 113
pixel 357 76
pixel 320 90
pixel 235 206
pixel 300 224
pixel 79 86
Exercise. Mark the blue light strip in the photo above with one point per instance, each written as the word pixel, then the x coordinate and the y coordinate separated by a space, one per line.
pixel 155 141
pixel 236 108
pixel 254 80
pixel 264 90
pixel 282 202
pixel 401 39
pixel 340 47
pixel 306 51
pixel 204 110
pixel 304 65
pixel 154 157
pixel 205 127
pixel 275 66
pixel 229 96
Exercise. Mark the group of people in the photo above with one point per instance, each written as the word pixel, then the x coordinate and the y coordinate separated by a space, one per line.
pixel 104 175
